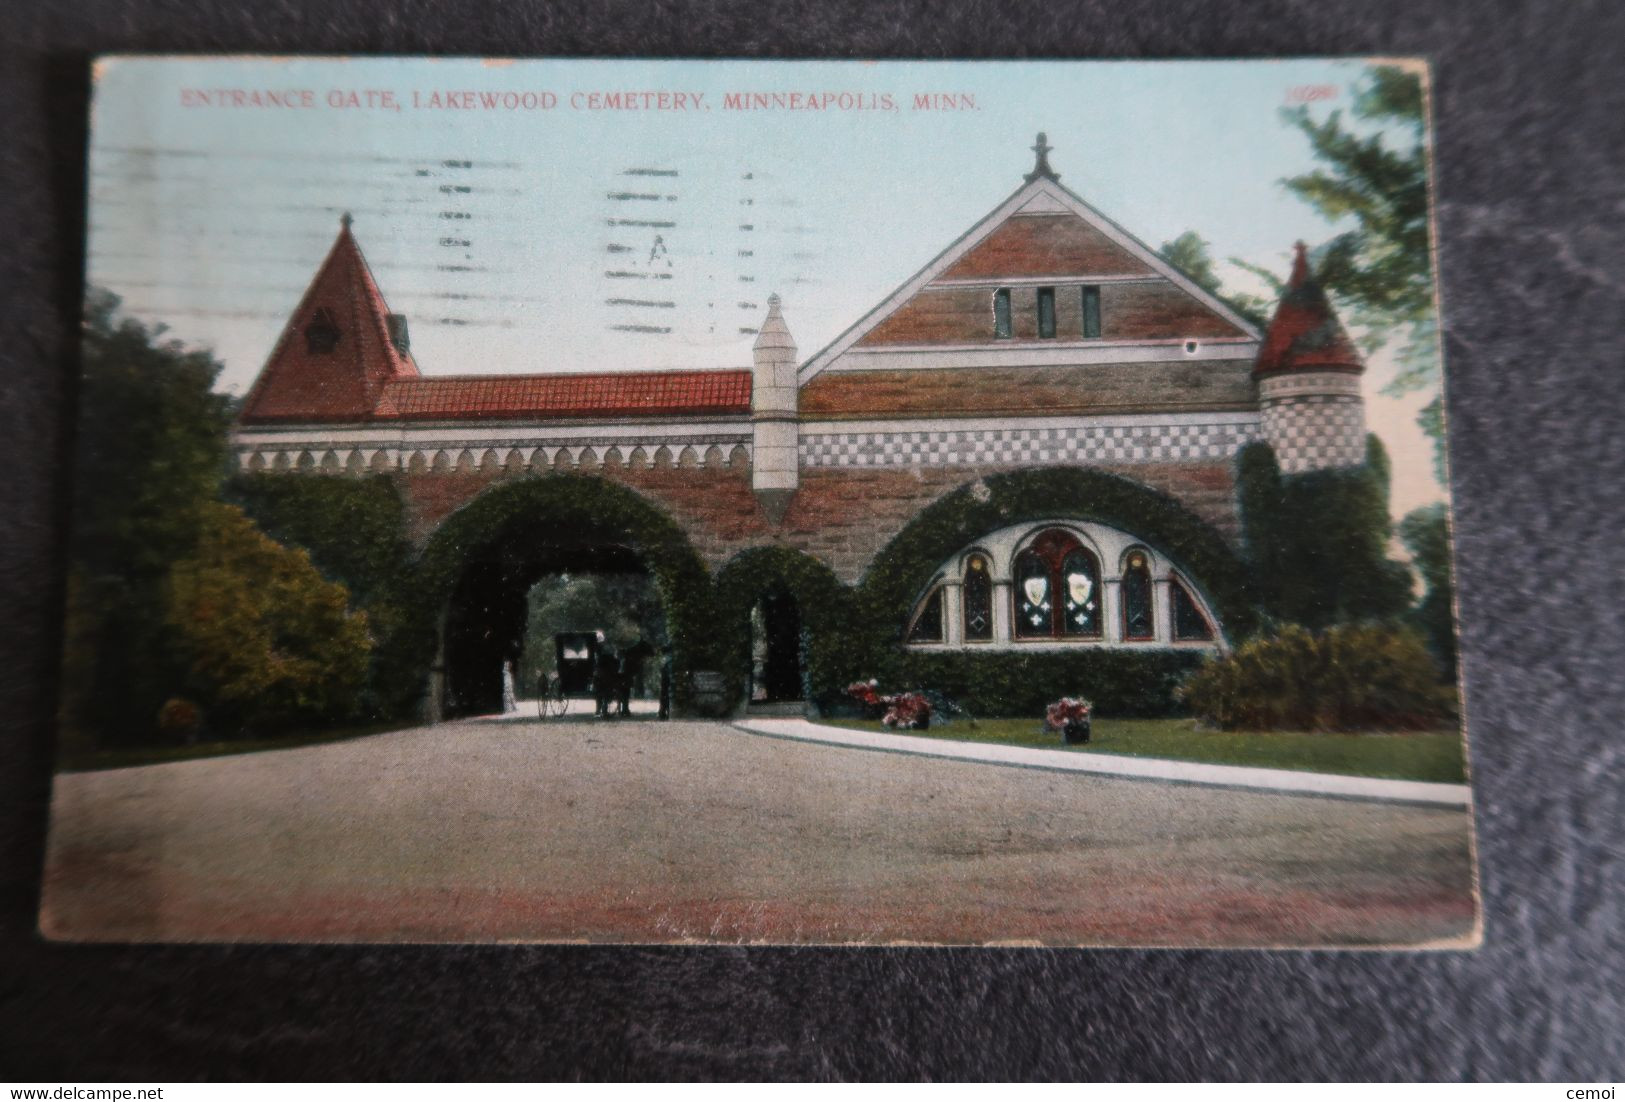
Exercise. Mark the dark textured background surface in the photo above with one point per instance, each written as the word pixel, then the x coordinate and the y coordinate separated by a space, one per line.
pixel 1529 98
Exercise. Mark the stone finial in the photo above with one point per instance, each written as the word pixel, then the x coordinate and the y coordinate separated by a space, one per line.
pixel 1041 168
pixel 774 333
pixel 345 220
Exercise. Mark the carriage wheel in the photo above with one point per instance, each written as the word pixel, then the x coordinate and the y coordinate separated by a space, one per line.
pixel 555 701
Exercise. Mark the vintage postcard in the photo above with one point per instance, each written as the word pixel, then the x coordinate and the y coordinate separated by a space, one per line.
pixel 765 502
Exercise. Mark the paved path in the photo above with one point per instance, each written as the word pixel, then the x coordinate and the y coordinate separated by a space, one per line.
pixel 512 829
pixel 1122 765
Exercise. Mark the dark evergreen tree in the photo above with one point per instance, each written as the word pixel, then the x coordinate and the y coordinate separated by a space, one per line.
pixel 150 456
pixel 1317 541
pixel 1258 492
pixel 1426 532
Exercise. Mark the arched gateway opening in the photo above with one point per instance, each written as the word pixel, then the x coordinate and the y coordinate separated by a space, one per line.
pixel 538 552
pixel 777 662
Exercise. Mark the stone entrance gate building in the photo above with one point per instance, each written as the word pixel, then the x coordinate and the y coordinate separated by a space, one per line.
pixel 1046 337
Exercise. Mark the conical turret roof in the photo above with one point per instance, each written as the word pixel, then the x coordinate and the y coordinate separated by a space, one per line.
pixel 336 353
pixel 1304 334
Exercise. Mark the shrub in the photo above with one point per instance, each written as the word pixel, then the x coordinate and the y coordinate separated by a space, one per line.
pixel 354 530
pixel 1345 678
pixel 1121 682
pixel 178 719
pixel 269 641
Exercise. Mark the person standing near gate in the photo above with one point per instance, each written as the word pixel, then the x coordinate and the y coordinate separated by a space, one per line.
pixel 665 681
pixel 606 670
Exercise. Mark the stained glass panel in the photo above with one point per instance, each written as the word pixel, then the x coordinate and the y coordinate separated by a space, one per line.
pixel 1137 615
pixel 978 599
pixel 928 624
pixel 1080 591
pixel 1189 623
pixel 1034 608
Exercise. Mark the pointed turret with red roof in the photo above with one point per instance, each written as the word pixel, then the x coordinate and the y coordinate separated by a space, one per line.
pixel 1304 334
pixel 1311 409
pixel 340 347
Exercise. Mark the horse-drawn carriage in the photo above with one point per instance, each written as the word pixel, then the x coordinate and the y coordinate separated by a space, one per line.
pixel 587 666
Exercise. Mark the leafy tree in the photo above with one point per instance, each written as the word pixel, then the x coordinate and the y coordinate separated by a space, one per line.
pixel 355 533
pixel 151 448
pixel 1375 172
pixel 150 454
pixel 1426 532
pixel 625 607
pixel 269 642
pixel 1189 253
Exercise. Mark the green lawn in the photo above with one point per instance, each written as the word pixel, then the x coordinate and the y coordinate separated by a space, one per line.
pixel 83 761
pixel 1417 756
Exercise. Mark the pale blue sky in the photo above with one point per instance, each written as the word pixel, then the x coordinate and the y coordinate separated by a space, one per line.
pixel 213 219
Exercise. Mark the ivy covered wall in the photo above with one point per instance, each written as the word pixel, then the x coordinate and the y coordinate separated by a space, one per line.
pixel 1317 542
pixel 1314 549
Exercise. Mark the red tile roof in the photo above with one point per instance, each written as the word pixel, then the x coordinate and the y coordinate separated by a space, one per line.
pixel 606 394
pixel 300 383
pixel 365 377
pixel 1305 334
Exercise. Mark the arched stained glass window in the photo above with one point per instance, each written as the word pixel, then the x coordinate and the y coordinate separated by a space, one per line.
pixel 1080 595
pixel 928 622
pixel 1035 610
pixel 1189 623
pixel 1057 588
pixel 978 600
pixel 1138 619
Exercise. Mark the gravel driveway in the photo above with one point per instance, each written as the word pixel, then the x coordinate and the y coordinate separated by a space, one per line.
pixel 512 829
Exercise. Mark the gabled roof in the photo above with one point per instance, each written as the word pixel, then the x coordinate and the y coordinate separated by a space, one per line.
pixel 1304 334
pixel 301 382
pixel 366 376
pixel 600 395
pixel 1003 245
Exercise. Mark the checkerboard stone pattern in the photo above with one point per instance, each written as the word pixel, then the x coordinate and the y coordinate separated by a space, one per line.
pixel 1156 443
pixel 1316 433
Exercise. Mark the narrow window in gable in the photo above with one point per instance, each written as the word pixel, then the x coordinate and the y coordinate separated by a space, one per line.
pixel 1091 311
pixel 1001 313
pixel 1046 311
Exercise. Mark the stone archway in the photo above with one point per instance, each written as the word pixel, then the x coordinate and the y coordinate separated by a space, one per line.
pixel 788 628
pixel 479 563
pixel 778 661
